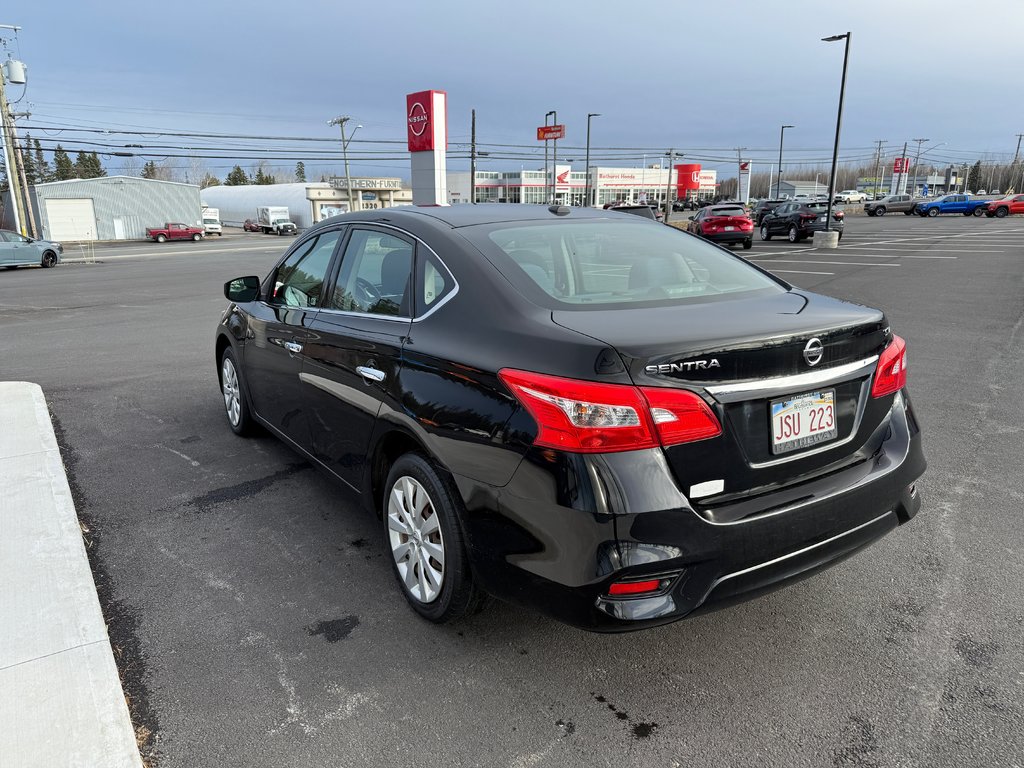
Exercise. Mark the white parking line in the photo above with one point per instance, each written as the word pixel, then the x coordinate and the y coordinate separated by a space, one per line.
pixel 901 256
pixel 798 272
pixel 118 257
pixel 838 263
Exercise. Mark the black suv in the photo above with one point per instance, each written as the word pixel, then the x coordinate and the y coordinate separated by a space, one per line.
pixel 763 208
pixel 800 220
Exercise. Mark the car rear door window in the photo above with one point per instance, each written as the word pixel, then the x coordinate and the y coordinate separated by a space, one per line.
pixel 604 264
pixel 299 281
pixel 375 274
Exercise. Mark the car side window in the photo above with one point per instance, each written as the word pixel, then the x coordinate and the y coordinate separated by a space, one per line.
pixel 433 282
pixel 299 280
pixel 375 275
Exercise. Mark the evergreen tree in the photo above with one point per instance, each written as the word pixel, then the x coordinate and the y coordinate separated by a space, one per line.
pixel 88 166
pixel 236 177
pixel 29 161
pixel 209 180
pixel 264 178
pixel 149 170
pixel 63 168
pixel 974 177
pixel 300 171
pixel 43 172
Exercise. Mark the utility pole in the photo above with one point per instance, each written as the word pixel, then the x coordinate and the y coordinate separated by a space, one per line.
pixel 341 120
pixel 10 162
pixel 472 157
pixel 1017 153
pixel 917 160
pixel 878 163
pixel 778 184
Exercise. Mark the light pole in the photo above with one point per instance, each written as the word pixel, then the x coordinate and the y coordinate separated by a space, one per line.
pixel 671 155
pixel 588 185
pixel 341 120
pixel 917 160
pixel 839 125
pixel 548 181
pixel 778 184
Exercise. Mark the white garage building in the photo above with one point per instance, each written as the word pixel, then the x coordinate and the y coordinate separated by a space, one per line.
pixel 109 208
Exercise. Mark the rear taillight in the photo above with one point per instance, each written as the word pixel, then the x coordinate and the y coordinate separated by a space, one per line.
pixel 590 417
pixel 891 372
pixel 838 215
pixel 808 216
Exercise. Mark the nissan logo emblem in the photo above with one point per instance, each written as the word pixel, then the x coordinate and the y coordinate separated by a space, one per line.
pixel 814 351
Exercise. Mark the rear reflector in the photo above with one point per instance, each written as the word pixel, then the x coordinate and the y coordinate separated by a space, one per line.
pixel 891 372
pixel 635 587
pixel 591 417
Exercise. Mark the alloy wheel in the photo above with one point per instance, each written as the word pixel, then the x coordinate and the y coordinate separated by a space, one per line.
pixel 229 386
pixel 417 543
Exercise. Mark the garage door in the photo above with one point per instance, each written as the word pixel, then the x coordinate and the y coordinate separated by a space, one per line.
pixel 70 220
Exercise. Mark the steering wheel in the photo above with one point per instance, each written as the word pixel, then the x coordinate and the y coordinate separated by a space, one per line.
pixel 368 289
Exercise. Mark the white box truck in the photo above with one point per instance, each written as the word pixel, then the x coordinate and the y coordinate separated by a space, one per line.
pixel 273 219
pixel 211 221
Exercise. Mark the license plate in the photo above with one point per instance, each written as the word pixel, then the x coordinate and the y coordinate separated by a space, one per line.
pixel 821 218
pixel 803 421
pixel 729 229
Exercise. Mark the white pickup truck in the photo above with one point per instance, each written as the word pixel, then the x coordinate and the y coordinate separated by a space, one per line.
pixel 850 196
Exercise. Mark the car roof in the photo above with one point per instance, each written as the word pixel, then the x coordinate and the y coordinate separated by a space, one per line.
pixel 468 214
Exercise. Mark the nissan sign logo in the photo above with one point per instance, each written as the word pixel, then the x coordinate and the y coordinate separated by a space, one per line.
pixel 417 119
pixel 814 351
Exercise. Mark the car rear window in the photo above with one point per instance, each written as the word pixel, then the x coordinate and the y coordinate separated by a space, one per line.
pixel 730 211
pixel 607 264
pixel 818 206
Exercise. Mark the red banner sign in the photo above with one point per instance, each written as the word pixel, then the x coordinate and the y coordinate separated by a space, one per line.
pixel 901 165
pixel 545 132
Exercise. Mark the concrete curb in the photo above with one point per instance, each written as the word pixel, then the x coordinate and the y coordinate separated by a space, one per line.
pixel 61 702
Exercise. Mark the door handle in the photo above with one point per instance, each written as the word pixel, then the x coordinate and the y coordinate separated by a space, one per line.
pixel 370 374
pixel 293 346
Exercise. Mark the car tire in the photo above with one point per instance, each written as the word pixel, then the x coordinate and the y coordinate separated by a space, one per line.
pixel 236 403
pixel 161 238
pixel 794 234
pixel 197 237
pixel 933 212
pixel 765 234
pixel 423 533
pixel 909 213
pixel 978 212
pixel 748 244
pixel 1002 213
pixel 880 211
pixel 49 260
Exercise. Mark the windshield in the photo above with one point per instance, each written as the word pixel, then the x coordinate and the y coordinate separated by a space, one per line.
pixel 606 264
pixel 210 221
pixel 734 211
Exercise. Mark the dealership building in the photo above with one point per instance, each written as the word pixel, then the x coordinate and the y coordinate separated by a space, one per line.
pixel 609 185
pixel 307 203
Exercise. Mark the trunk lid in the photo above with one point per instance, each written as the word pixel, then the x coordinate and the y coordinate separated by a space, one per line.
pixel 730 352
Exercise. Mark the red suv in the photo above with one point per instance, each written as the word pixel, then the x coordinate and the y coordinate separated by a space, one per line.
pixel 726 224
pixel 1006 206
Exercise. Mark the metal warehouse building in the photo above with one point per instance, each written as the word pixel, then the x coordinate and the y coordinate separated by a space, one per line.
pixel 111 207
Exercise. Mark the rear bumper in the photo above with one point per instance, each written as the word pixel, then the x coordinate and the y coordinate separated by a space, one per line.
pixel 567 526
pixel 737 236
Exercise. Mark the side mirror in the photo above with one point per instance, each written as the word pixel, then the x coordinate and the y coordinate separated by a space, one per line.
pixel 242 290
pixel 690 218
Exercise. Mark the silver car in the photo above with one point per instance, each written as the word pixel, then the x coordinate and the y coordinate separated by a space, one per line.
pixel 17 250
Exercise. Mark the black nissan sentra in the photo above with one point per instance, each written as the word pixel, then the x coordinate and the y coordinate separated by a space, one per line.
pixel 582 411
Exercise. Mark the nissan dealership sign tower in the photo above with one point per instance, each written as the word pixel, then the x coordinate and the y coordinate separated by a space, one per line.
pixel 427 113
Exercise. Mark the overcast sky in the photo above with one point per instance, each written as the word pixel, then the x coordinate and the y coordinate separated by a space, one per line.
pixel 703 78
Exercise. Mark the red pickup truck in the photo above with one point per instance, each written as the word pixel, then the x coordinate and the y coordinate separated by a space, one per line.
pixel 174 231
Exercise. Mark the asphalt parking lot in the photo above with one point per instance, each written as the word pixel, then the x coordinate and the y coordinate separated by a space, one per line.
pixel 260 625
